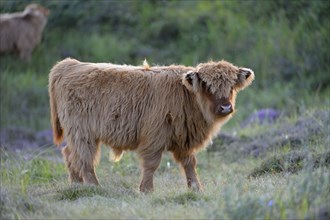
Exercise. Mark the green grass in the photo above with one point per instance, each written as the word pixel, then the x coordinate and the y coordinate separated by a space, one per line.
pixel 291 182
pixel 228 194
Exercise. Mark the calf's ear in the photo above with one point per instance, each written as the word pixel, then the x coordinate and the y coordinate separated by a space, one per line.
pixel 244 78
pixel 244 73
pixel 190 80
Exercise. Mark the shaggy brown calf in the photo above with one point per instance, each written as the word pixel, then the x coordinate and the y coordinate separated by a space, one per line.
pixel 21 32
pixel 146 109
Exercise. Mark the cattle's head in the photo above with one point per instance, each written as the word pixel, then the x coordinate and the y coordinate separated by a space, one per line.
pixel 36 10
pixel 217 84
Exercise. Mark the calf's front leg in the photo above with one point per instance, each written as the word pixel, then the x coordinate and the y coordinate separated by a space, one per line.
pixel 150 163
pixel 188 164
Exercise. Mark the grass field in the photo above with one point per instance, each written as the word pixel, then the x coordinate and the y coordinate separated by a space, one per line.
pixel 287 181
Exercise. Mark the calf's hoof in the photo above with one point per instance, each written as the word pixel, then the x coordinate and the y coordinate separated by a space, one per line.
pixel 91 179
pixel 146 189
pixel 73 179
pixel 196 187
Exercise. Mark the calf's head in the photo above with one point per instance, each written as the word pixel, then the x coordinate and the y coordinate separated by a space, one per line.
pixel 36 10
pixel 217 83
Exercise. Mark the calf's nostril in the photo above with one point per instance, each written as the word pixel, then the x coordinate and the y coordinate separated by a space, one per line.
pixel 247 74
pixel 226 108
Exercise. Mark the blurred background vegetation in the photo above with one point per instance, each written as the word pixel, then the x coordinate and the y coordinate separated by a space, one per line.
pixel 286 43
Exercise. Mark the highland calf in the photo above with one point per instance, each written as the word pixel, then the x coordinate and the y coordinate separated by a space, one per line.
pixel 147 109
pixel 21 32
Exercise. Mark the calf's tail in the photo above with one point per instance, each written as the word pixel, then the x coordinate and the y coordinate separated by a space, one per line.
pixel 56 125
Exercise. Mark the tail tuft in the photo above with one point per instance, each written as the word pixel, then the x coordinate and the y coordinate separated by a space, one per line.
pixel 57 132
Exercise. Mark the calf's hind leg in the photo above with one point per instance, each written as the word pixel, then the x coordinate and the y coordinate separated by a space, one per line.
pixel 84 156
pixel 73 175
